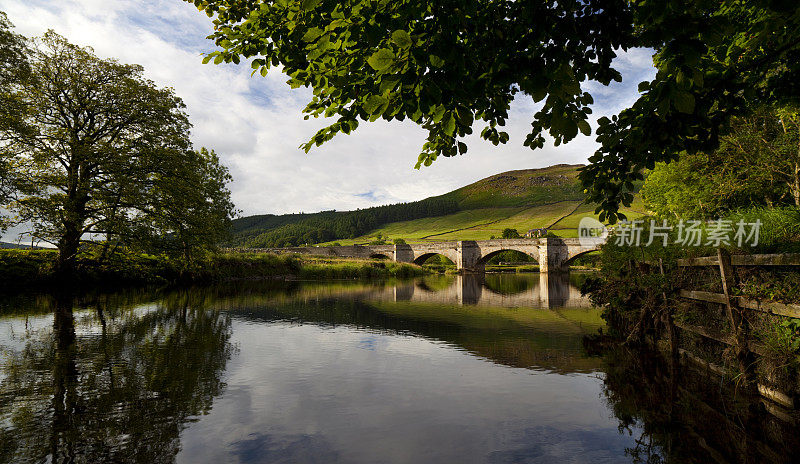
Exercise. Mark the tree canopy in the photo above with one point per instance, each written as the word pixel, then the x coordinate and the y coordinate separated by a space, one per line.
pixel 13 68
pixel 99 150
pixel 446 65
pixel 756 164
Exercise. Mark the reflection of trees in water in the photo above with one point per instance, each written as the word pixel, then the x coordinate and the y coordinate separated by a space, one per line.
pixel 545 341
pixel 120 390
pixel 683 417
pixel 510 284
pixel 435 282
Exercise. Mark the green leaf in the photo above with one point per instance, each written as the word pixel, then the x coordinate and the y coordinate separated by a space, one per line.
pixel 401 38
pixel 584 127
pixel 464 116
pixel 698 78
pixel 312 34
pixel 310 4
pixel 388 83
pixel 539 93
pixel 381 59
pixel 449 125
pixel 438 113
pixel 680 78
pixel 436 61
pixel 663 108
pixel 684 102
pixel 375 104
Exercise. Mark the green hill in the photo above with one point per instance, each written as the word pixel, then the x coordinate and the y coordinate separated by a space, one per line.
pixel 524 199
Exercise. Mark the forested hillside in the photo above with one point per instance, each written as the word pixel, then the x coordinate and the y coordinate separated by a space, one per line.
pixel 297 229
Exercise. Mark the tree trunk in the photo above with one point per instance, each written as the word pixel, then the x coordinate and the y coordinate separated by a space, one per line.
pixel 69 243
pixel 796 186
pixel 67 253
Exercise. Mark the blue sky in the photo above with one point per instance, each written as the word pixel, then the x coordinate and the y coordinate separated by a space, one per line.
pixel 256 126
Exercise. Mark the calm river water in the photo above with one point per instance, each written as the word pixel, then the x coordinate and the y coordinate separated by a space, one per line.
pixel 445 369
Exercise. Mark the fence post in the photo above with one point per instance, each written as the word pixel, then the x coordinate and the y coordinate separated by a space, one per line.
pixel 737 320
pixel 667 318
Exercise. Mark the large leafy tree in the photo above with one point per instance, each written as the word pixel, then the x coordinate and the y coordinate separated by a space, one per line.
pixel 756 164
pixel 446 64
pixel 13 68
pixel 197 209
pixel 102 151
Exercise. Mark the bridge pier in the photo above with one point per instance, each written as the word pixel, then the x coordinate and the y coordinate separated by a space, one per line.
pixel 553 253
pixel 469 257
pixel 403 253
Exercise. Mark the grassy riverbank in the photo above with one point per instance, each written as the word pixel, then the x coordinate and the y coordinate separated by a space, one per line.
pixel 24 268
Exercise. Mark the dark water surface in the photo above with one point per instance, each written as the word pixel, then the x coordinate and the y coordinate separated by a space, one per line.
pixel 443 369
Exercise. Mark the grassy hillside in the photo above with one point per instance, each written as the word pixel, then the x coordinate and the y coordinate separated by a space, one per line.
pixel 525 187
pixel 525 199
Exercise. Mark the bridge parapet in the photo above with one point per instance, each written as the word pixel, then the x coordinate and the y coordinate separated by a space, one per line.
pixel 470 256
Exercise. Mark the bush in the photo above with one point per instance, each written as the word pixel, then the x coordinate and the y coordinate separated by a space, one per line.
pixel 510 233
pixel 26 265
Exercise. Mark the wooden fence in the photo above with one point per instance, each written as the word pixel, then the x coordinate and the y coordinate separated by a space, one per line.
pixel 739 339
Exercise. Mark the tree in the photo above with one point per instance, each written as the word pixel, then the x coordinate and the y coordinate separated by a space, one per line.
pixel 766 145
pixel 756 164
pixel 446 64
pixel 101 150
pixel 196 210
pixel 510 233
pixel 13 68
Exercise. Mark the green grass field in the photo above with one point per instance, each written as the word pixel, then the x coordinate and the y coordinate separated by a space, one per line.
pixel 481 224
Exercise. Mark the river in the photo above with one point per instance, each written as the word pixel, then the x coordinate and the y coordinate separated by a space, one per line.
pixel 444 369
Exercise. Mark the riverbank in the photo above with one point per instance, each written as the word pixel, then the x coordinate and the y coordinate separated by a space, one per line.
pixel 733 311
pixel 26 268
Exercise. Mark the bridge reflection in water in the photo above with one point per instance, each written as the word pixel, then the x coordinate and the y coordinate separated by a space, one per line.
pixel 542 291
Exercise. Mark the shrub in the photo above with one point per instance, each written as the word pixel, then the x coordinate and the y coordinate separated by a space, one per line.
pixel 510 233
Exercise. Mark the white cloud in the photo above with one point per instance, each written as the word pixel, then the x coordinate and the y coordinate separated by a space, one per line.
pixel 255 124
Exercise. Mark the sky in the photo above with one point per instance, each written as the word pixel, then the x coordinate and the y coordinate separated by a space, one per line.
pixel 255 123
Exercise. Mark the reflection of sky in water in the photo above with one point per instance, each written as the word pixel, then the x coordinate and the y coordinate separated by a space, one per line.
pixel 448 370
pixel 301 393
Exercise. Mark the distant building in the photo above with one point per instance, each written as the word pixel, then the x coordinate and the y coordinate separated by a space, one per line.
pixel 536 233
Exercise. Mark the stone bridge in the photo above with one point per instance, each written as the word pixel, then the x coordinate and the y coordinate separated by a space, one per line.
pixel 552 254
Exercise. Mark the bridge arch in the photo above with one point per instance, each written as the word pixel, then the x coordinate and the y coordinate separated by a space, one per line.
pixel 485 258
pixel 578 255
pixel 379 256
pixel 420 259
